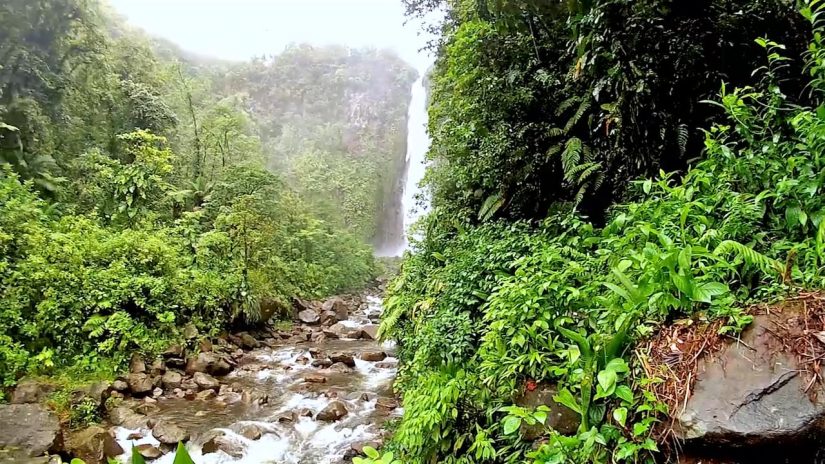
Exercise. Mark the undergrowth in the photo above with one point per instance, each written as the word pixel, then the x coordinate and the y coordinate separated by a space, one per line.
pixel 480 312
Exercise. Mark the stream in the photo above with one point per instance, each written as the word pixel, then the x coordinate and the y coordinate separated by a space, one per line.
pixel 297 391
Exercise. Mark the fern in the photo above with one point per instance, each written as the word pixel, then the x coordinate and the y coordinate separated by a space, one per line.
pixel 683 138
pixel 566 105
pixel 491 205
pixel 571 156
pixel 750 256
pixel 583 107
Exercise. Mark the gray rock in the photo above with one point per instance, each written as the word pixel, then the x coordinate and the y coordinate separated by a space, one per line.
pixel 140 384
pixel 386 405
pixel 95 393
pixel 205 395
pixel 125 417
pixel 174 351
pixel 248 342
pixel 340 368
pixel 560 418
pixel 30 427
pixel 136 364
pixel 210 362
pixel 190 332
pixel 169 434
pixel 338 306
pixel 373 356
pixel 149 452
pixel 251 431
pixel 219 442
pixel 206 381
pixel 752 393
pixel 339 357
pixel 31 391
pixel 120 385
pixel 335 411
pixel 369 332
pixel 171 380
pixel 93 445
pixel 309 316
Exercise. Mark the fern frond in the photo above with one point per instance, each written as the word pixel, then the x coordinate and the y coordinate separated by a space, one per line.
pixel 583 107
pixel 588 170
pixel 491 205
pixel 566 105
pixel 572 154
pixel 683 138
pixel 750 256
pixel 555 131
pixel 554 150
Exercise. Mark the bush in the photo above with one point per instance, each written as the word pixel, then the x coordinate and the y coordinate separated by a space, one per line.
pixel 565 302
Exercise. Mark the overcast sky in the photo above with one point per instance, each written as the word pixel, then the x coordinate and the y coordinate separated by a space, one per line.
pixel 240 29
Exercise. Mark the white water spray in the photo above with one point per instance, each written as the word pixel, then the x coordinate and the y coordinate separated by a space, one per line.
pixel 418 142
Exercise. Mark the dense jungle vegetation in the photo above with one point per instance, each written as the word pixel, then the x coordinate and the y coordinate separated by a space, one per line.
pixel 598 169
pixel 145 193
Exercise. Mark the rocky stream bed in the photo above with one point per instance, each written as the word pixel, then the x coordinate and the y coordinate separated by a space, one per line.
pixel 316 393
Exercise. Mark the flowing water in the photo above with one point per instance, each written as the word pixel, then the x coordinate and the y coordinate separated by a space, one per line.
pixel 291 435
pixel 418 142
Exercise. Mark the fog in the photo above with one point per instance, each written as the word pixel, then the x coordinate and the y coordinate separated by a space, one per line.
pixel 240 29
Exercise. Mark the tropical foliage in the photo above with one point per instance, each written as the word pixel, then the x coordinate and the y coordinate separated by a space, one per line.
pixel 483 313
pixel 142 192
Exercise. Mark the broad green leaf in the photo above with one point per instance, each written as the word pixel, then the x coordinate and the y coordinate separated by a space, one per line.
pixel 607 380
pixel 624 393
pixel 371 452
pixel 511 424
pixel 137 458
pixel 620 415
pixel 565 398
pixel 182 456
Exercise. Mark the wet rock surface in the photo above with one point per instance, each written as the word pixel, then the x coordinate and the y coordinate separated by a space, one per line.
pixel 31 428
pixel 294 396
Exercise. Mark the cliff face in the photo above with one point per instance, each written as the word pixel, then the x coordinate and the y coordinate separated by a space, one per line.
pixel 334 121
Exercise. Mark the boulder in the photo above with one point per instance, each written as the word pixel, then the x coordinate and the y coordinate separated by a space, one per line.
pixel 559 418
pixel 753 392
pixel 205 395
pixel 120 385
pixel 94 445
pixel 369 332
pixel 125 417
pixel 148 451
pixel 168 433
pixel 322 363
pixel 95 393
pixel 335 411
pixel 205 345
pixel 219 442
pixel 330 334
pixel 174 351
pixel 190 332
pixel 338 306
pixel 31 391
pixel 343 331
pixel 328 318
pixel 373 356
pixel 341 357
pixel 309 316
pixel 251 431
pixel 386 405
pixel 136 364
pixel 206 381
pixel 31 428
pixel 315 378
pixel 140 384
pixel 340 368
pixel 387 365
pixel 171 380
pixel 210 363
pixel 157 368
pixel 248 342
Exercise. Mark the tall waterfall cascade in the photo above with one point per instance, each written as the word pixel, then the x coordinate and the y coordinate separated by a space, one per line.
pixel 418 143
pixel 413 204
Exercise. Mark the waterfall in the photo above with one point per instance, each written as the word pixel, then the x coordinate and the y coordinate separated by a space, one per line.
pixel 418 142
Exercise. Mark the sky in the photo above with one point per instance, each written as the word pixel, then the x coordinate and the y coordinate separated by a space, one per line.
pixel 240 29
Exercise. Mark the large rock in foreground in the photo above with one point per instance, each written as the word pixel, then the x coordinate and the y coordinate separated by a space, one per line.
pixel 754 392
pixel 30 427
